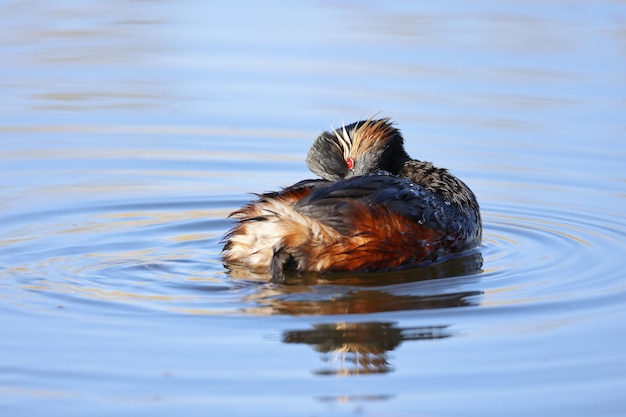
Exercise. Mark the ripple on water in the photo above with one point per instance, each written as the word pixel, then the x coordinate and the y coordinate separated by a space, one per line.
pixel 164 256
pixel 550 254
pixel 117 254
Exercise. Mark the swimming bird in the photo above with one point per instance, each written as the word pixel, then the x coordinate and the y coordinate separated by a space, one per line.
pixel 374 209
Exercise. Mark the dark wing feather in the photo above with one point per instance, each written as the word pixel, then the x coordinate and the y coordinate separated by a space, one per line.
pixel 332 202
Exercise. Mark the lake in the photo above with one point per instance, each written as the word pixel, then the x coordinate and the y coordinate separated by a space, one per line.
pixel 129 130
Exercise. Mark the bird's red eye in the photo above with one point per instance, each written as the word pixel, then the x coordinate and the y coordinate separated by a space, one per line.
pixel 350 163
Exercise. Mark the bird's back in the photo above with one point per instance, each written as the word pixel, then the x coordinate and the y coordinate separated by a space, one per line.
pixel 371 222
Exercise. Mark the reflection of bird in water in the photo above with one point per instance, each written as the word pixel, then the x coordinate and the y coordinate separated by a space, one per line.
pixel 360 348
pixel 375 209
pixel 340 299
pixel 352 293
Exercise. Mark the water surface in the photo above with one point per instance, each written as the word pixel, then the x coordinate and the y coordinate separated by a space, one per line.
pixel 129 131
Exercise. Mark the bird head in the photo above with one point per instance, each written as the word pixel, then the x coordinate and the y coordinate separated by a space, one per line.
pixel 359 148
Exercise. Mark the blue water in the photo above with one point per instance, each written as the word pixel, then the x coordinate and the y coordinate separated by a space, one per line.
pixel 129 130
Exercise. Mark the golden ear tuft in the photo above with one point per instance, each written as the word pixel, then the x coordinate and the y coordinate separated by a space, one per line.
pixel 371 134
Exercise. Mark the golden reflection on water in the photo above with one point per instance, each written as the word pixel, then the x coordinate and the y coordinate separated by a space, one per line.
pixel 80 274
pixel 360 348
pixel 87 292
pixel 79 278
pixel 120 221
pixel 547 226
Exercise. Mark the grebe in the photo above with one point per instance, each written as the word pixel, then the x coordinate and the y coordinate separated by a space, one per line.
pixel 374 209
